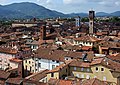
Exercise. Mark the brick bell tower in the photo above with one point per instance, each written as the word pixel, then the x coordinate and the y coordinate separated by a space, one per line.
pixel 43 32
pixel 91 21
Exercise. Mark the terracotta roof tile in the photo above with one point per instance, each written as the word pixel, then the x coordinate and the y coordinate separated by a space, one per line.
pixel 60 82
pixel 86 47
pixel 78 63
pixel 114 66
pixel 47 53
pixel 93 81
pixel 87 39
pixel 105 48
pixel 15 60
pixel 37 76
pixel 17 81
pixel 115 57
pixel 8 50
pixel 4 74
pixel 97 61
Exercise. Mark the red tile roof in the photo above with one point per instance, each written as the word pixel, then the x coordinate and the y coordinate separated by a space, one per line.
pixel 114 66
pixel 4 75
pixel 105 48
pixel 115 57
pixel 47 53
pixel 87 39
pixel 59 82
pixel 8 50
pixel 79 63
pixel 37 76
pixel 86 47
pixel 17 81
pixel 97 61
pixel 15 60
pixel 93 81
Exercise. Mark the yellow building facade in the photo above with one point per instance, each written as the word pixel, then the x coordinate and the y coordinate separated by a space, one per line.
pixel 29 64
pixel 98 71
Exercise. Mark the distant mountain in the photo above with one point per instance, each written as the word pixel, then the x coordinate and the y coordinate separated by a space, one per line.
pixel 117 13
pixel 30 10
pixel 100 14
pixel 26 9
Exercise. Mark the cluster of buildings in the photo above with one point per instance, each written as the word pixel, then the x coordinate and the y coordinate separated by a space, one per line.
pixel 60 52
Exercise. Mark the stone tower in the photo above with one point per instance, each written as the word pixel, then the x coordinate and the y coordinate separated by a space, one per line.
pixel 91 21
pixel 43 32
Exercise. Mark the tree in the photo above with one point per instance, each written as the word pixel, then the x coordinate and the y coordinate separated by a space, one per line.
pixel 85 19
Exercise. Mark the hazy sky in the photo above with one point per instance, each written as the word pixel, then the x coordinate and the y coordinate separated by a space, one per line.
pixel 70 6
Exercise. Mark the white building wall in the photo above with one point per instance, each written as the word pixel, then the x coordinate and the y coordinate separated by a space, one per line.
pixel 27 25
pixel 4 60
pixel 55 63
pixel 14 65
pixel 46 64
pixel 83 43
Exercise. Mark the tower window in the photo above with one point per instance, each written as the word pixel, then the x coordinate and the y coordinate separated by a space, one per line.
pixel 91 23
pixel 96 68
pixel 102 69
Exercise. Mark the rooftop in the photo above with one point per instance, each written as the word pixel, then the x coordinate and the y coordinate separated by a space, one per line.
pixel 15 60
pixel 87 39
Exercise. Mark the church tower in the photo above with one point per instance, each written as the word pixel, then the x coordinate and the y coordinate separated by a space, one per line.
pixel 77 21
pixel 91 21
